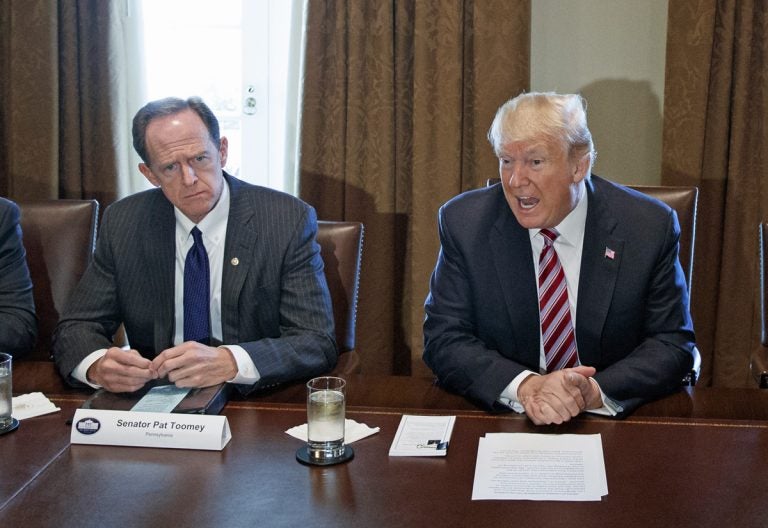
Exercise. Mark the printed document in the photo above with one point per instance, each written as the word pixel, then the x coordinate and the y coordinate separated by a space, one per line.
pixel 524 466
pixel 422 435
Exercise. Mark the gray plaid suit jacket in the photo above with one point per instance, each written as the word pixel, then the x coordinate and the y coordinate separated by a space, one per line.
pixel 274 303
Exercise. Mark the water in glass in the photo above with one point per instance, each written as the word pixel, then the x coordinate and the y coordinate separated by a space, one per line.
pixel 6 392
pixel 325 420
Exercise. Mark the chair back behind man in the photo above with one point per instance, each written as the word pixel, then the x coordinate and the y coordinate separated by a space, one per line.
pixel 684 200
pixel 59 238
pixel 341 247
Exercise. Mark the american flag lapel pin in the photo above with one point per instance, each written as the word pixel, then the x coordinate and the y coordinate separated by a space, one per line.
pixel 609 253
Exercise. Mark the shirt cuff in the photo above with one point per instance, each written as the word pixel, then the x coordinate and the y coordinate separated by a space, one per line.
pixel 610 406
pixel 508 397
pixel 509 394
pixel 80 373
pixel 247 373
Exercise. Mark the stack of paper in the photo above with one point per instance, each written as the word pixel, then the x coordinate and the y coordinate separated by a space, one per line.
pixel 422 436
pixel 540 467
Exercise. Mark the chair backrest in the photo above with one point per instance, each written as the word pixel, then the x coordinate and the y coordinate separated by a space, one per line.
pixel 59 237
pixel 684 201
pixel 341 247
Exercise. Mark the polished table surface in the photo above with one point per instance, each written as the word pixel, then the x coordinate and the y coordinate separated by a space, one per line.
pixel 696 458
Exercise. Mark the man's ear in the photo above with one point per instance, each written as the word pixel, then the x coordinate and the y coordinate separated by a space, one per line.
pixel 580 168
pixel 223 151
pixel 147 172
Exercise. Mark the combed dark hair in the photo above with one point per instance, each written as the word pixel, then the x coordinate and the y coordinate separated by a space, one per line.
pixel 166 107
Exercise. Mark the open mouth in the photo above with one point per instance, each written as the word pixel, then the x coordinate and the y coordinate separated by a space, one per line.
pixel 527 202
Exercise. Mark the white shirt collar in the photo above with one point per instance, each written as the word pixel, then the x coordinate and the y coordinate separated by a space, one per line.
pixel 571 229
pixel 213 225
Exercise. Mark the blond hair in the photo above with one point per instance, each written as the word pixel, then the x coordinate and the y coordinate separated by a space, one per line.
pixel 558 117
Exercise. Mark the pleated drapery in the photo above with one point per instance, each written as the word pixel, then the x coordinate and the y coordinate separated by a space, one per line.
pixel 63 80
pixel 715 137
pixel 397 99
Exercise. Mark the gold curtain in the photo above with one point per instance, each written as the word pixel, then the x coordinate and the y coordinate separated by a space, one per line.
pixel 397 99
pixel 58 78
pixel 715 107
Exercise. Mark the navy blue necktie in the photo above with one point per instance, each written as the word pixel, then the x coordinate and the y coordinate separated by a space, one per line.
pixel 197 279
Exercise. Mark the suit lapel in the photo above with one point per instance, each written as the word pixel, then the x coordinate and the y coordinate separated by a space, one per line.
pixel 239 257
pixel 159 249
pixel 511 248
pixel 601 257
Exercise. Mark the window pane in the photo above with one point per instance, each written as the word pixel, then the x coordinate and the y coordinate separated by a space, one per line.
pixel 198 47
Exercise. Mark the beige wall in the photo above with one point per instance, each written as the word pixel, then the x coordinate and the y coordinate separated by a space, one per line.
pixel 612 52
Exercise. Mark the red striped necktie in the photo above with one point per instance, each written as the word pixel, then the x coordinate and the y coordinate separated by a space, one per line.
pixel 554 308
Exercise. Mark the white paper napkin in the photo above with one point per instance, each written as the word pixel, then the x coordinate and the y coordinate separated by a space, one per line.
pixel 32 404
pixel 353 431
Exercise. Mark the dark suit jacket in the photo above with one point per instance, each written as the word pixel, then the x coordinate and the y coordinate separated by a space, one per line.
pixel 632 319
pixel 275 301
pixel 18 324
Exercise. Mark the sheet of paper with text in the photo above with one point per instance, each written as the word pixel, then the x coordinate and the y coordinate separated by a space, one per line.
pixel 525 466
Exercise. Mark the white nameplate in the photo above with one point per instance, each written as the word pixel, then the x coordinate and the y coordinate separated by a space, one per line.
pixel 150 429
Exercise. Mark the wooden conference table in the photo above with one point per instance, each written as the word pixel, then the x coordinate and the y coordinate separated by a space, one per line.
pixel 696 458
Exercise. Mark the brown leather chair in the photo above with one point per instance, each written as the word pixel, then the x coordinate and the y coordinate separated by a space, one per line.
pixel 684 201
pixel 341 247
pixel 59 237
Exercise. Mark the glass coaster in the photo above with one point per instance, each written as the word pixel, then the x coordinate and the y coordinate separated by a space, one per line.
pixel 14 425
pixel 302 455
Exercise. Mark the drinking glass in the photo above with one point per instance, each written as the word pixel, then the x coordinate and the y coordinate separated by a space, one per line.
pixel 6 392
pixel 325 418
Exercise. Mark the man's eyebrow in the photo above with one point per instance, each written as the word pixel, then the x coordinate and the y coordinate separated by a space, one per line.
pixel 537 148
